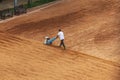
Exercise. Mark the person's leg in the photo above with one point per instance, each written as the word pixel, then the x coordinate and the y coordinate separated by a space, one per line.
pixel 63 44
pixel 60 43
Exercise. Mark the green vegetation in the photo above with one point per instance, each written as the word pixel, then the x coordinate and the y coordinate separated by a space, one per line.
pixel 28 5
pixel 38 2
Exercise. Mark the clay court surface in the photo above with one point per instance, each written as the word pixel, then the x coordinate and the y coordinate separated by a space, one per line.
pixel 92 37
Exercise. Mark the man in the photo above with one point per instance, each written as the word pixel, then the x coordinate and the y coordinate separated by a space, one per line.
pixel 61 36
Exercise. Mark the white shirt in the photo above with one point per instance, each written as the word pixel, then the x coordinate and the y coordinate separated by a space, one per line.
pixel 61 35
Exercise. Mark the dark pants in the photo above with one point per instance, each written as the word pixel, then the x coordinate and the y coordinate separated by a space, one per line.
pixel 62 43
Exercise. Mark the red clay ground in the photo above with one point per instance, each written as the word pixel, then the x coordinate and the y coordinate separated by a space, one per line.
pixel 92 34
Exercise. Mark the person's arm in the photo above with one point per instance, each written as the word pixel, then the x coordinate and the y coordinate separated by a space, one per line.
pixel 57 36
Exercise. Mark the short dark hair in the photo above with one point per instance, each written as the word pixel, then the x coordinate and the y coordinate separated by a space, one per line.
pixel 59 29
